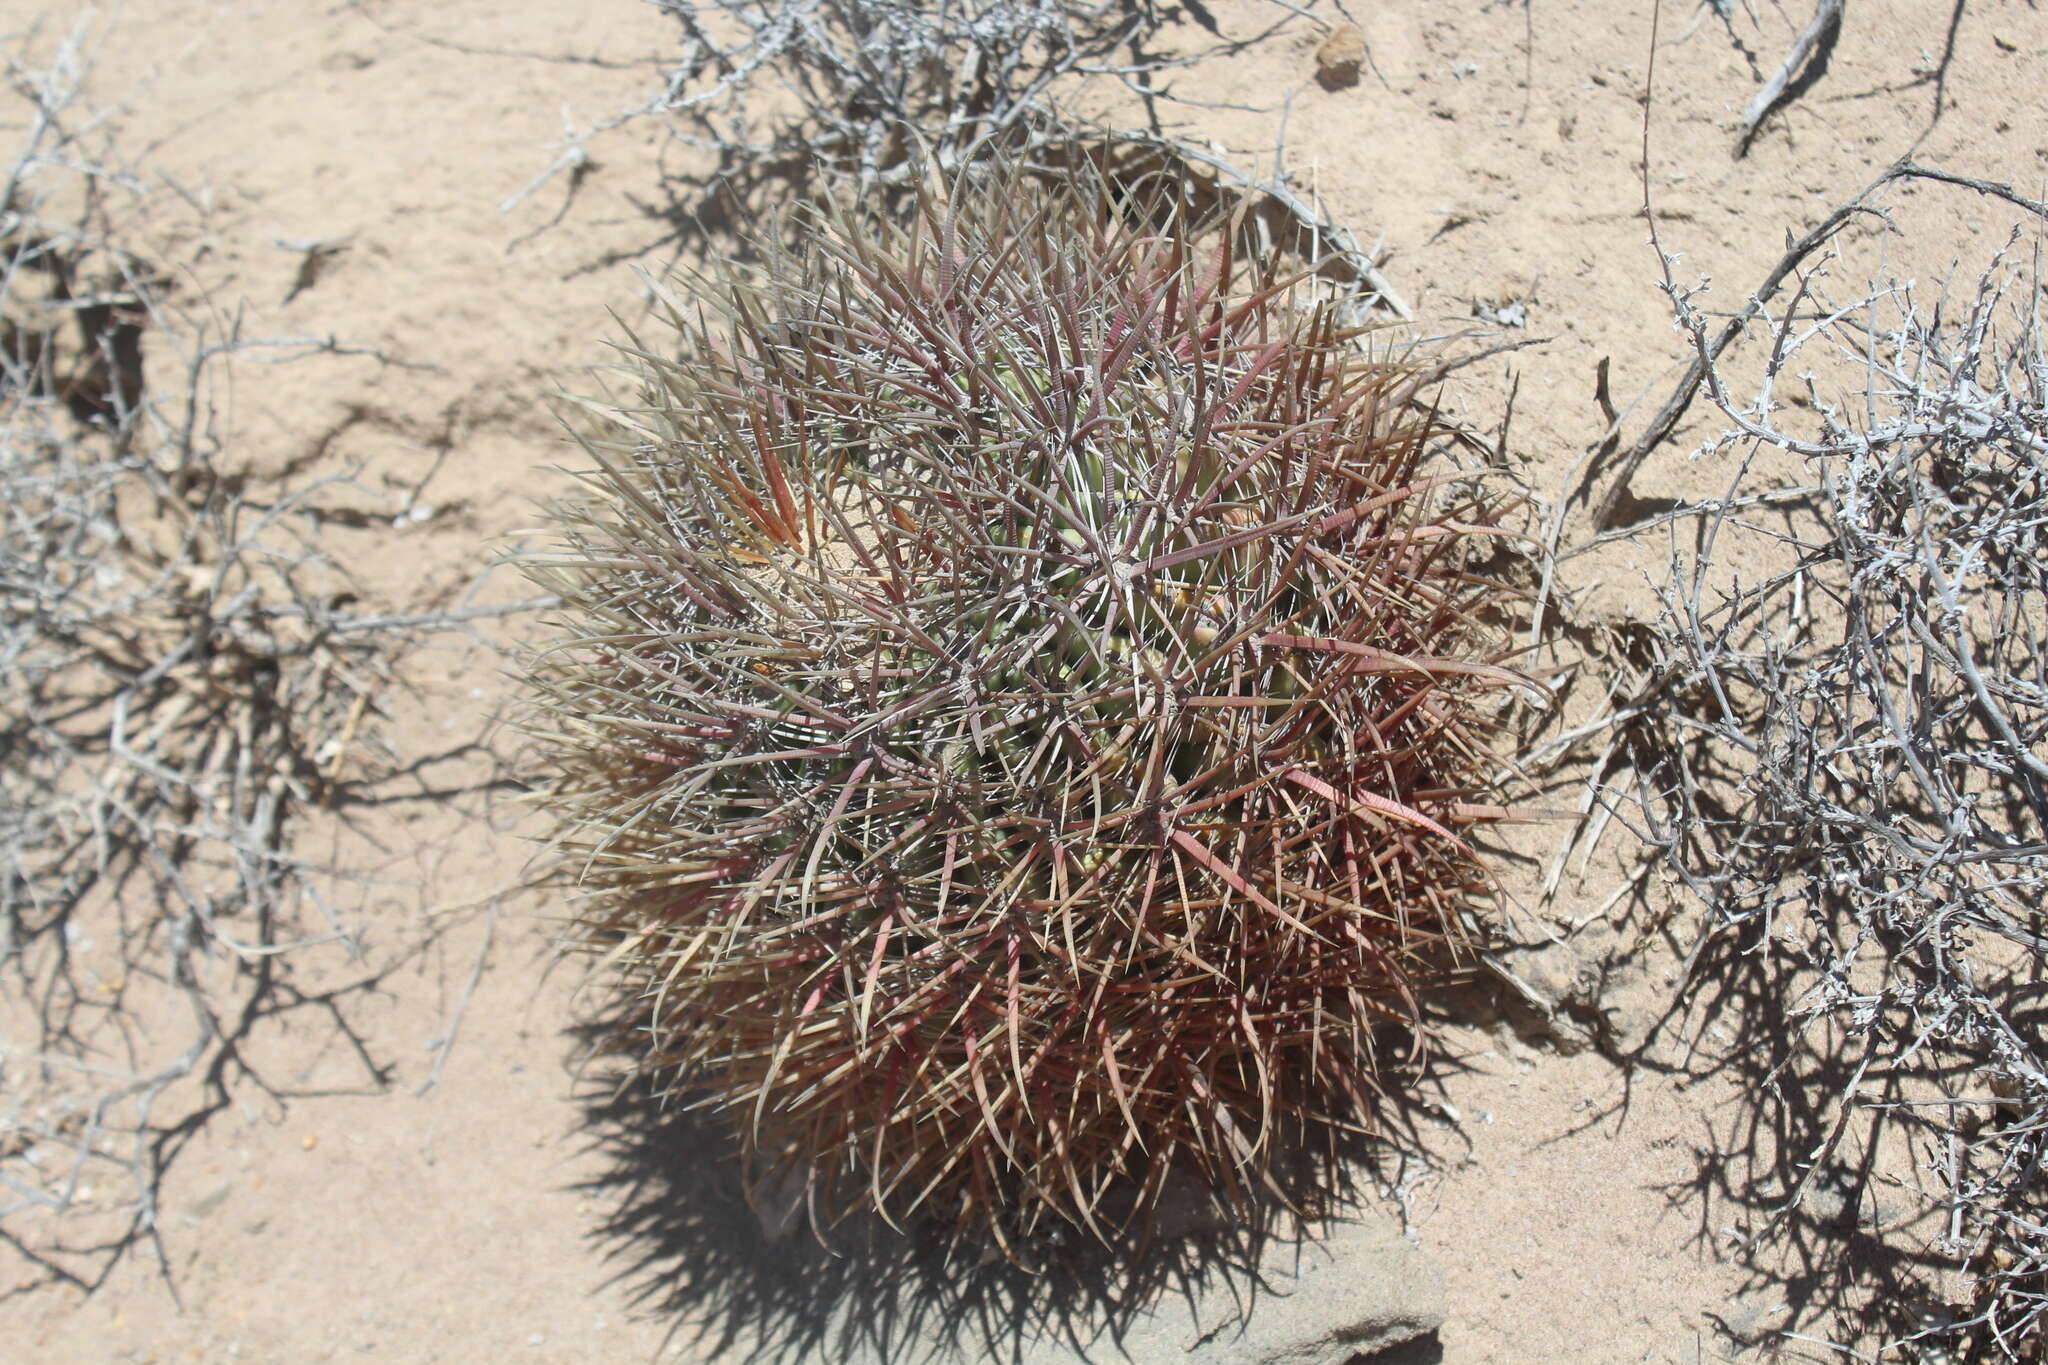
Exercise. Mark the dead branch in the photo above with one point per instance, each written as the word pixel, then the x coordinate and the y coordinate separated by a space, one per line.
pixel 1706 352
pixel 1851 777
pixel 1816 38
pixel 179 689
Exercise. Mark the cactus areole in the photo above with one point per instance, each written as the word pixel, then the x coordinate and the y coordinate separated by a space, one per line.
pixel 1015 707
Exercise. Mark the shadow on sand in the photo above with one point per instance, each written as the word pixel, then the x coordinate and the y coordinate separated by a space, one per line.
pixel 740 1284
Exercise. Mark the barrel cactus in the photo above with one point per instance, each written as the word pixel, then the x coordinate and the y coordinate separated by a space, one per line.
pixel 1016 706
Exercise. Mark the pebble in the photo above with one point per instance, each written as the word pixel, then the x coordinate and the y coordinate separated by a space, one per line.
pixel 1340 56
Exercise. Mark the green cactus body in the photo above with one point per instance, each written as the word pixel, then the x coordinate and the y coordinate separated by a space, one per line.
pixel 1011 702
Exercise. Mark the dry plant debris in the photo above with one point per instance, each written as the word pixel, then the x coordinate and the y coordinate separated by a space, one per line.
pixel 182 686
pixel 1853 777
pixel 885 91
pixel 1022 697
pixel 873 79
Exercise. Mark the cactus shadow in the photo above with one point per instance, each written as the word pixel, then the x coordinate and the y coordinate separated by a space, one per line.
pixel 736 1283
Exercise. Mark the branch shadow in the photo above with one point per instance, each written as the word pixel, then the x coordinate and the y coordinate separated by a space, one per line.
pixel 1839 1244
pixel 1813 1182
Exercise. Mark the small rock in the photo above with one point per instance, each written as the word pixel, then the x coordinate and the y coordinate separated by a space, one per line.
pixel 211 1200
pixel 1504 313
pixel 1362 1288
pixel 1339 58
pixel 1602 982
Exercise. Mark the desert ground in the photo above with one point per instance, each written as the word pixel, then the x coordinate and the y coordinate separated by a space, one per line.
pixel 443 212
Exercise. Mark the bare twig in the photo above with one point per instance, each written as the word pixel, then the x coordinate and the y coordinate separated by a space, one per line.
pixel 1818 35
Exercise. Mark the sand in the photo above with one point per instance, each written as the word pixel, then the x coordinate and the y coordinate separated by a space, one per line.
pixel 379 1196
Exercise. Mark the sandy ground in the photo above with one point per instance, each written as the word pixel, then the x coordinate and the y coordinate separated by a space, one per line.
pixel 334 1211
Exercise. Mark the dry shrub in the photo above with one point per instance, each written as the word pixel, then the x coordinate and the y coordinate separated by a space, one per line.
pixel 1854 639
pixel 183 689
pixel 868 80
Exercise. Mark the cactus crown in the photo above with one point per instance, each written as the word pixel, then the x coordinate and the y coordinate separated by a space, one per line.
pixel 1014 705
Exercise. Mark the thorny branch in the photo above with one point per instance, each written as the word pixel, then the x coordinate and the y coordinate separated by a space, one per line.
pixel 885 89
pixel 1859 792
pixel 1707 352
pixel 181 691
